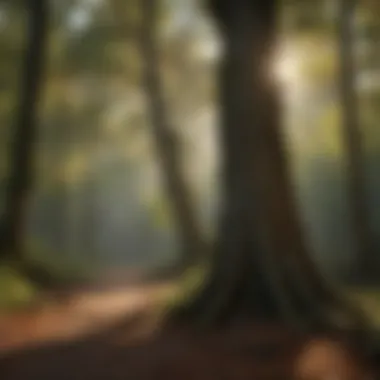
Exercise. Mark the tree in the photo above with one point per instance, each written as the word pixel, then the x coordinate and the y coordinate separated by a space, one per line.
pixel 364 240
pixel 20 180
pixel 189 230
pixel 261 266
pixel 11 41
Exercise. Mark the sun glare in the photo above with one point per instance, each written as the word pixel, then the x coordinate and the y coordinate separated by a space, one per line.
pixel 286 66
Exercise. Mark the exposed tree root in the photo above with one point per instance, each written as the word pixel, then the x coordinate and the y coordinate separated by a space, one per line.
pixel 300 304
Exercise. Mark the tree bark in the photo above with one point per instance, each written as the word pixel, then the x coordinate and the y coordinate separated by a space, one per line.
pixel 365 262
pixel 262 267
pixel 191 238
pixel 22 148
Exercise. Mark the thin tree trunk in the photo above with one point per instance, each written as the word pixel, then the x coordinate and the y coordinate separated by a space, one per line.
pixel 191 239
pixel 262 266
pixel 22 148
pixel 365 260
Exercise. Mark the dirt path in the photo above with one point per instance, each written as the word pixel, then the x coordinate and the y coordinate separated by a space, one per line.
pixel 63 342
pixel 78 314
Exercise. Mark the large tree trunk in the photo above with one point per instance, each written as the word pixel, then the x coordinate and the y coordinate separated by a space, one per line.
pixel 14 222
pixel 261 267
pixel 178 192
pixel 366 262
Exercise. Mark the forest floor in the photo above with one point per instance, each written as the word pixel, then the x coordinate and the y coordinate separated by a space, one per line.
pixel 113 334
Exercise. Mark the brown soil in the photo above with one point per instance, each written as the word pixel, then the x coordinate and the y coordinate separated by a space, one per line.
pixel 52 345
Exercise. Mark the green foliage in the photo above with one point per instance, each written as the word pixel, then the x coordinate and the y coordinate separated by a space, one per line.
pixel 368 300
pixel 187 286
pixel 330 132
pixel 305 16
pixel 63 270
pixel 15 290
pixel 160 211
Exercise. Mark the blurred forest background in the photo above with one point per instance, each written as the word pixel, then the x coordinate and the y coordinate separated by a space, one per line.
pixel 99 208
